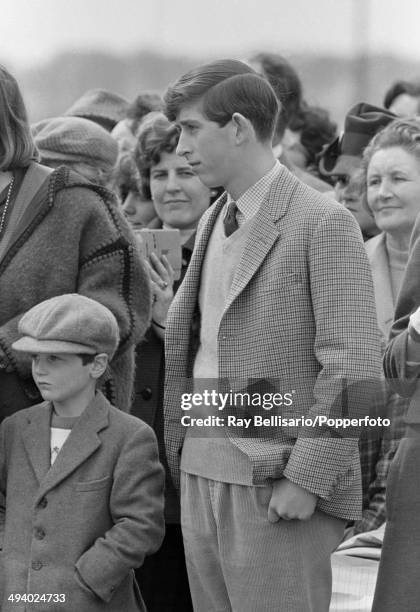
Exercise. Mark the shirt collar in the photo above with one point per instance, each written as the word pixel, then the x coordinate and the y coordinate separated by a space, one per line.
pixel 250 201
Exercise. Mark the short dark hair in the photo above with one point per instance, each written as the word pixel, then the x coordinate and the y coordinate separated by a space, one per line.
pixel 157 135
pixel 17 148
pixel 316 130
pixel 86 358
pixel 226 87
pixel 286 84
pixel 145 103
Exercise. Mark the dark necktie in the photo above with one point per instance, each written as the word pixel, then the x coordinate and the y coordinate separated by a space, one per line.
pixel 230 223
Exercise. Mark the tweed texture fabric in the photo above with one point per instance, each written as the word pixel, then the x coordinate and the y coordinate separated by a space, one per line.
pixel 80 526
pixel 69 323
pixel 75 240
pixel 300 315
pixel 75 139
pixel 249 202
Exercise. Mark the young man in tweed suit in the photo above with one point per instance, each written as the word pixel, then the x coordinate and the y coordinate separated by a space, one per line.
pixel 278 296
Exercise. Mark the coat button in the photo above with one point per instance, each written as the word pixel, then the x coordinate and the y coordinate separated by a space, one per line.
pixel 43 503
pixel 39 534
pixel 36 565
pixel 146 393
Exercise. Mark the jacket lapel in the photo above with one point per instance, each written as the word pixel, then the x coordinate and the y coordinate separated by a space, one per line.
pixel 82 442
pixel 36 439
pixel 263 233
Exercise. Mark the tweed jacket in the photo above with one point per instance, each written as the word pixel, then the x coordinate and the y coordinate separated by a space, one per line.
pixel 300 316
pixel 73 239
pixel 80 526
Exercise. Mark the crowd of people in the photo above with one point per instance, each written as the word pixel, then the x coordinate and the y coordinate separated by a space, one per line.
pixel 299 249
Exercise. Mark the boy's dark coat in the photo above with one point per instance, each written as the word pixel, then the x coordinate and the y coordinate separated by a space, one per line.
pixel 94 514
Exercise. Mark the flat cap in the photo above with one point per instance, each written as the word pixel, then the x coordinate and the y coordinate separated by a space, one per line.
pixel 69 323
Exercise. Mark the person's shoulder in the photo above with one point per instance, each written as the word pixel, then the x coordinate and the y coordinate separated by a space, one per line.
pixel 305 200
pixel 128 424
pixel 311 180
pixel 68 188
pixel 26 415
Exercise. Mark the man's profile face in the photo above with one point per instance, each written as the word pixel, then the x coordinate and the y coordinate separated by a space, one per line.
pixel 206 145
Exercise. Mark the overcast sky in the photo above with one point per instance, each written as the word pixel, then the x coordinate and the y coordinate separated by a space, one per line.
pixel 34 30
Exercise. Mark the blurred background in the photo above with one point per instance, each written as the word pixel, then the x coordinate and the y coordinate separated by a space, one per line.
pixel 345 51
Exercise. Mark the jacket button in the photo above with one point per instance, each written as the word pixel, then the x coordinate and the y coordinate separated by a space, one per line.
pixel 43 503
pixel 39 534
pixel 36 565
pixel 146 393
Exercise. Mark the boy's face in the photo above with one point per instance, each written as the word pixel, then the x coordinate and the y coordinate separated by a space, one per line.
pixel 60 377
pixel 207 146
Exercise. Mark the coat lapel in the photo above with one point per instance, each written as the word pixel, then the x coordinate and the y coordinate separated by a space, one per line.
pixel 36 439
pixel 382 283
pixel 29 202
pixel 81 443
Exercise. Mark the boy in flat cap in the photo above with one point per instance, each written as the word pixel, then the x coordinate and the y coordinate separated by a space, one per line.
pixel 81 486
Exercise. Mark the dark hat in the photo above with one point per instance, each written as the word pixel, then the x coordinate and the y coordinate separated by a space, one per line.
pixel 74 139
pixel 362 122
pixel 69 323
pixel 102 106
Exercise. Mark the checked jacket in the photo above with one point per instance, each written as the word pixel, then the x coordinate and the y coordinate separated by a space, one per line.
pixel 300 314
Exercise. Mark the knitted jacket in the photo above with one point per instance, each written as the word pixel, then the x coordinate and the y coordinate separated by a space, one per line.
pixel 76 241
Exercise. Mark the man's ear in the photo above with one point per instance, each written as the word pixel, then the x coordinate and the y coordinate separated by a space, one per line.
pixel 99 365
pixel 244 129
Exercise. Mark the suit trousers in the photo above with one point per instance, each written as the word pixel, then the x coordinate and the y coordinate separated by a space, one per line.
pixel 238 561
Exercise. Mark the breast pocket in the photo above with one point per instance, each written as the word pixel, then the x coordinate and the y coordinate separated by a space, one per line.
pixel 282 282
pixel 92 485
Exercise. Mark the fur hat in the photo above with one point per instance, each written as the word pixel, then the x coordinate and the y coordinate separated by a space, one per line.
pixel 343 154
pixel 69 323
pixel 101 106
pixel 74 139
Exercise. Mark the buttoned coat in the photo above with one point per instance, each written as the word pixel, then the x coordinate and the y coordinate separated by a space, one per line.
pixel 80 526
pixel 300 316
